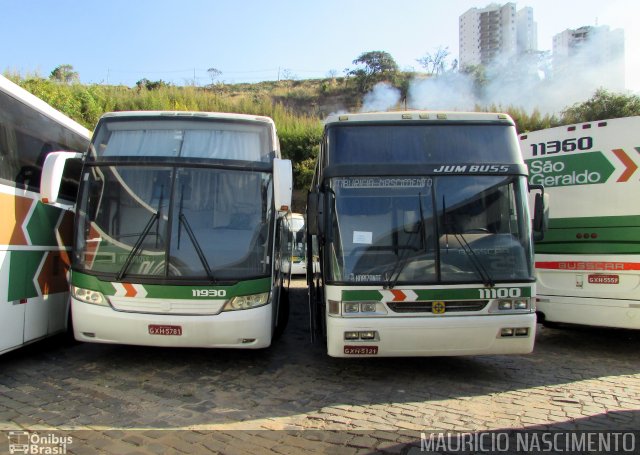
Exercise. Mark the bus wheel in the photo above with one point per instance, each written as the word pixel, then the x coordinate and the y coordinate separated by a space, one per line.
pixel 69 337
pixel 547 324
pixel 283 313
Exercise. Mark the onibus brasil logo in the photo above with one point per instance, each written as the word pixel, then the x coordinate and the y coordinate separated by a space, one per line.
pixel 41 444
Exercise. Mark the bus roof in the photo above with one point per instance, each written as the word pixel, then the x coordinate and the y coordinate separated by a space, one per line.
pixel 184 114
pixel 433 116
pixel 20 94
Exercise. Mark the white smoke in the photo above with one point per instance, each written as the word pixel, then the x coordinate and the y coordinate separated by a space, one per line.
pixel 451 91
pixel 529 83
pixel 382 97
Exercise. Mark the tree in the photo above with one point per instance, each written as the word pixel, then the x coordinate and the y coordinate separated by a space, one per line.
pixel 214 73
pixel 375 63
pixel 601 106
pixel 376 66
pixel 478 74
pixel 64 73
pixel 435 64
pixel 151 85
pixel 288 74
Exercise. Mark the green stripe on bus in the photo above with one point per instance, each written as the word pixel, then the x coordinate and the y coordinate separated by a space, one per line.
pixel 361 295
pixel 42 225
pixel 162 291
pixel 595 221
pixel 23 266
pixel 592 235
pixel 432 294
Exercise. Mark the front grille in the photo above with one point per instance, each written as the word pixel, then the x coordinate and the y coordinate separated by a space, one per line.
pixel 167 306
pixel 451 306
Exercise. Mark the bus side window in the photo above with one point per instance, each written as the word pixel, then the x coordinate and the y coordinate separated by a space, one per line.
pixel 8 153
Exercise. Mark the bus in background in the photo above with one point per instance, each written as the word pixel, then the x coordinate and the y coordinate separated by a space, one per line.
pixel 588 265
pixel 181 231
pixel 299 245
pixel 424 236
pixel 35 239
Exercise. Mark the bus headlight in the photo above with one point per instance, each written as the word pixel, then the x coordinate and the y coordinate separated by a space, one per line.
pixel 510 305
pixel 88 296
pixel 351 307
pixel 245 302
pixel 521 304
pixel 357 309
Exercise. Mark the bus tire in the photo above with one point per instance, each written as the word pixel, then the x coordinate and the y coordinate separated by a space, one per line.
pixel 547 324
pixel 283 313
pixel 69 337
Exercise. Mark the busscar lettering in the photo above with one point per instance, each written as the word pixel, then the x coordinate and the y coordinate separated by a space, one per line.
pixel 591 266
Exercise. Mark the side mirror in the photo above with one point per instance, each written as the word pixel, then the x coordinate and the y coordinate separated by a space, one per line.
pixel 540 212
pixel 51 176
pixel 315 207
pixel 282 184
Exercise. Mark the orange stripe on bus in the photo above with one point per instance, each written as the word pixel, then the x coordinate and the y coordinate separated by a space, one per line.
pixel 14 210
pixel 53 276
pixel 131 291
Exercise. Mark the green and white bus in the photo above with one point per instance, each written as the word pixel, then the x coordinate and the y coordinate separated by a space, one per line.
pixel 181 231
pixel 424 235
pixel 588 265
pixel 35 239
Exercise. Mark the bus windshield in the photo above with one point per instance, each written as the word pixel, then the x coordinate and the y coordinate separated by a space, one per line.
pixel 184 139
pixel 422 144
pixel 162 222
pixel 449 229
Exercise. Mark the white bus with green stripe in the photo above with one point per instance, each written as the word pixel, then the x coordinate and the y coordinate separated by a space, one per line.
pixel 588 265
pixel 424 236
pixel 181 231
pixel 35 239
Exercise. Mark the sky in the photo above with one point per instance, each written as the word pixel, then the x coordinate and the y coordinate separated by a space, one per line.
pixel 123 41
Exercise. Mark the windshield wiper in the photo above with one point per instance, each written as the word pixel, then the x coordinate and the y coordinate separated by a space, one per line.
pixel 402 261
pixel 182 220
pixel 138 245
pixel 475 261
pixel 480 269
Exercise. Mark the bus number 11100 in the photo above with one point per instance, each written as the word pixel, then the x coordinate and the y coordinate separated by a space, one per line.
pixel 500 293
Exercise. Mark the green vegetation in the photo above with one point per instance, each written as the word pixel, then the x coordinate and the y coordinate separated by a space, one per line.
pixel 296 106
pixel 602 105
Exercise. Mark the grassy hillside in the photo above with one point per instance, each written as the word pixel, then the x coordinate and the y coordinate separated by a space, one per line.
pixel 296 106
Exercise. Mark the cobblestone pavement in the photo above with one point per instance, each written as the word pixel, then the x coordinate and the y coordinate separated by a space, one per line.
pixel 122 399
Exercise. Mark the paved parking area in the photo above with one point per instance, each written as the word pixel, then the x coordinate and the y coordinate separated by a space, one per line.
pixel 292 398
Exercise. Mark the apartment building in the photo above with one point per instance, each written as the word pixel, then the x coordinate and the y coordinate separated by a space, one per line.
pixel 496 32
pixel 593 50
